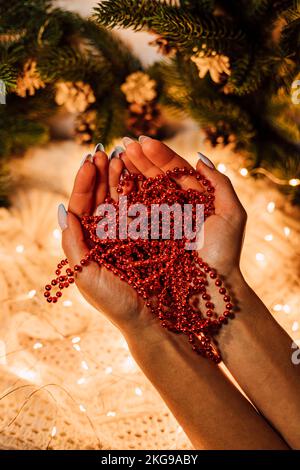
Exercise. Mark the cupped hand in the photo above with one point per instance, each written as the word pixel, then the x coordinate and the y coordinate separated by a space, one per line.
pixel 223 231
pixel 101 288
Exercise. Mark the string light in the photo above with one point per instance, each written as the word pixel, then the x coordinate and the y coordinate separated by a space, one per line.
pixel 286 308
pixel 108 370
pixel 287 231
pixel 294 182
pixel 81 381
pixel 138 391
pixel 67 303
pixel 277 308
pixel 111 413
pixel 20 248
pixel 76 339
pixel 31 293
pixel 268 237
pixel 82 408
pixel 260 257
pixel 129 364
pixel 56 234
pixel 84 365
pixel 295 326
pixel 53 431
pixel 271 207
pixel 222 168
pixel 77 347
pixel 37 346
pixel 244 171
pixel 26 374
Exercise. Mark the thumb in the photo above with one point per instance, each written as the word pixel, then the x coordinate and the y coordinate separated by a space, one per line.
pixel 226 200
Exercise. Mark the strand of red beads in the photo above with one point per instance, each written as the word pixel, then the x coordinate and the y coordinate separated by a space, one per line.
pixel 173 281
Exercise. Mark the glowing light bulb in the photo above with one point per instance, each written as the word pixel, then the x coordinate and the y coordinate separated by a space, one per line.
pixel 76 339
pixel 111 413
pixel 20 248
pixel 295 326
pixel 56 234
pixel 269 237
pixel 76 347
pixel 27 374
pixel 260 257
pixel 108 370
pixel 286 308
pixel 129 364
pixel 222 168
pixel 244 171
pixel 81 381
pixel 84 365
pixel 53 431
pixel 82 408
pixel 31 293
pixel 271 207
pixel 37 346
pixel 138 391
pixel 294 182
pixel 67 303
pixel 277 308
pixel 287 231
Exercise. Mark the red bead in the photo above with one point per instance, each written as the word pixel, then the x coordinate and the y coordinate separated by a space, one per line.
pixel 222 290
pixel 77 268
pixel 47 287
pixel 229 306
pixel 53 282
pixel 226 298
pixel 47 294
pixel 54 300
pixel 49 299
pixel 218 282
pixel 57 272
pixel 58 294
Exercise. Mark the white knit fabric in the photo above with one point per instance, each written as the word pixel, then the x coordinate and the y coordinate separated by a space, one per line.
pixel 67 380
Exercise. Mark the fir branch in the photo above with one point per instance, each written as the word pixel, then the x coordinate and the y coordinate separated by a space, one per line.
pixel 126 13
pixel 182 31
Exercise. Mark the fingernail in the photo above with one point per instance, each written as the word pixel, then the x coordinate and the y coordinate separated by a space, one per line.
pixel 127 140
pixel 143 138
pixel 116 152
pixel 62 217
pixel 99 148
pixel 206 160
pixel 88 157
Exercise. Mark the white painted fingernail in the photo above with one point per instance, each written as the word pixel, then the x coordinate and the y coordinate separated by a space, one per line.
pixel 143 138
pixel 127 141
pixel 62 217
pixel 88 157
pixel 99 148
pixel 206 160
pixel 116 152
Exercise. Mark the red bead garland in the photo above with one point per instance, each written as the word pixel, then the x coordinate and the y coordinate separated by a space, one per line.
pixel 173 281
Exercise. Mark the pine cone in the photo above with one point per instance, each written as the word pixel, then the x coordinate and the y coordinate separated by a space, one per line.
pixel 147 122
pixel 85 126
pixel 75 96
pixel 163 46
pixel 30 80
pixel 220 134
pixel 139 88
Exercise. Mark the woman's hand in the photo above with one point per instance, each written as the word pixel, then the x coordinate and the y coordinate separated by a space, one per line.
pixel 223 231
pixel 105 291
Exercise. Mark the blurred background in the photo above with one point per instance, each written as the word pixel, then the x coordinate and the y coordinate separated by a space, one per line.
pixel 218 77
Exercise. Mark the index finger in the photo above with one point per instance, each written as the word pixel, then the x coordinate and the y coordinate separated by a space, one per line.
pixel 82 198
